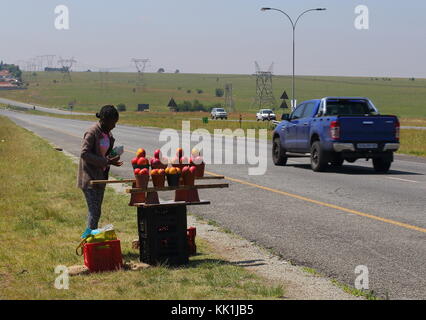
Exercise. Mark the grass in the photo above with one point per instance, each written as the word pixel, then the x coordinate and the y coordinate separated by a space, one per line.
pixel 399 96
pixel 42 214
pixel 413 142
pixel 367 294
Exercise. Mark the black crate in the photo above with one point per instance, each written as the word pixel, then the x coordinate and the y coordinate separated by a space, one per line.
pixel 163 234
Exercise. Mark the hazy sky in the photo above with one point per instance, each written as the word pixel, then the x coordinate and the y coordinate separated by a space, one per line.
pixel 221 36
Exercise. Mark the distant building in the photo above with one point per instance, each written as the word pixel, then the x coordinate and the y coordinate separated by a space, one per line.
pixel 63 69
pixel 143 107
pixel 4 73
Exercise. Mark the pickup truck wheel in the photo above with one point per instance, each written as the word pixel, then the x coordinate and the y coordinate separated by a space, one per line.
pixel 278 153
pixel 319 161
pixel 381 165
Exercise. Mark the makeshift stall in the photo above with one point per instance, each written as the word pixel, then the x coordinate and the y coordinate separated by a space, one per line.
pixel 164 236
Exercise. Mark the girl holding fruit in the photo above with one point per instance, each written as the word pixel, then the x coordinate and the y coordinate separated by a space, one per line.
pixel 95 161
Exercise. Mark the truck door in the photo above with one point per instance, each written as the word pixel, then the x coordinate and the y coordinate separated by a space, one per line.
pixel 303 127
pixel 290 134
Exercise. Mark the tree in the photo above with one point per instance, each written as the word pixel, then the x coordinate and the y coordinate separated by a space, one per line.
pixel 161 70
pixel 177 71
pixel 219 92
pixel 121 107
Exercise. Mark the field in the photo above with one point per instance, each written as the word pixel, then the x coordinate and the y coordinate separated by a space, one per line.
pixel 91 90
pixel 42 215
pixel 402 97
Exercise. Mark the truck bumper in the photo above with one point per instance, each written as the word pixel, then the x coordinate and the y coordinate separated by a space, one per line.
pixel 339 147
pixel 391 147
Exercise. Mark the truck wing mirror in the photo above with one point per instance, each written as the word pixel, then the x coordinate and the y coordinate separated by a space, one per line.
pixel 285 117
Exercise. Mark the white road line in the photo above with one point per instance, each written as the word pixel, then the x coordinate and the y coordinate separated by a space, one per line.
pixel 402 180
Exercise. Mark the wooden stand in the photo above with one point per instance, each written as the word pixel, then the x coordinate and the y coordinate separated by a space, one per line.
pixel 162 226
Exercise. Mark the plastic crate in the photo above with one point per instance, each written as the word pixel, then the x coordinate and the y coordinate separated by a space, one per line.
pixel 103 256
pixel 163 234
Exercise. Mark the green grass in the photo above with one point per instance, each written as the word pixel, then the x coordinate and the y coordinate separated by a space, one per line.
pixel 42 214
pixel 367 294
pixel 399 96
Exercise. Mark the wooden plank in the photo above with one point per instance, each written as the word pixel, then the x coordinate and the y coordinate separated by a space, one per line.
pixel 111 181
pixel 172 203
pixel 200 186
pixel 133 180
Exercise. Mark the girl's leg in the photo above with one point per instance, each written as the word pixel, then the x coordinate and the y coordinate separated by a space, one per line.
pixel 94 198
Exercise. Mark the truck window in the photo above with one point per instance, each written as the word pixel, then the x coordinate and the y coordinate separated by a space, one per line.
pixel 309 109
pixel 348 107
pixel 297 114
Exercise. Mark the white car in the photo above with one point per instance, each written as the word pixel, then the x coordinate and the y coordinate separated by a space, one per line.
pixel 265 114
pixel 219 113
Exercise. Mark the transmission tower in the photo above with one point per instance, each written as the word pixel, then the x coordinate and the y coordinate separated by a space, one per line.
pixel 140 67
pixel 264 93
pixel 229 102
pixel 103 79
pixel 66 68
pixel 49 59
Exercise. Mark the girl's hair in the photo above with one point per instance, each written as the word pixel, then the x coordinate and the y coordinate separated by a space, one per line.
pixel 108 112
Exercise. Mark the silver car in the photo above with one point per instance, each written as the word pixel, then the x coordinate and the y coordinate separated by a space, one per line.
pixel 219 113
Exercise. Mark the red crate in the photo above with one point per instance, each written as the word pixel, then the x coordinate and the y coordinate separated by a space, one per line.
pixel 103 256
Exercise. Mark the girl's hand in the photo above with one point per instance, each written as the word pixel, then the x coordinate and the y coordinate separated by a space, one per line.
pixel 118 163
pixel 115 161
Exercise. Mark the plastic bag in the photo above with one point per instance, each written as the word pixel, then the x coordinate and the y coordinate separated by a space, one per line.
pixel 104 234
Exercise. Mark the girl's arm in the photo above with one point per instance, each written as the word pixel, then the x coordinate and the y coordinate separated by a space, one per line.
pixel 88 155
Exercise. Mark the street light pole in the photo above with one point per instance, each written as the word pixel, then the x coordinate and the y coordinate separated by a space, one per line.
pixel 293 25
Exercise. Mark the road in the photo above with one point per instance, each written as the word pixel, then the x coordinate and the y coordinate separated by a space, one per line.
pixel 38 108
pixel 332 221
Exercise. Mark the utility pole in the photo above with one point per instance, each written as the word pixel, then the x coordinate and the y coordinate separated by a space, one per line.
pixel 229 102
pixel 103 79
pixel 264 93
pixel 140 65
pixel 66 68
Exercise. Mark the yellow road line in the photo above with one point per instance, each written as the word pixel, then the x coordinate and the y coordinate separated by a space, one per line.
pixel 324 204
pixel 359 213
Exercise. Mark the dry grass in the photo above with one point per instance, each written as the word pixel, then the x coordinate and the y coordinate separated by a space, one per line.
pixel 413 142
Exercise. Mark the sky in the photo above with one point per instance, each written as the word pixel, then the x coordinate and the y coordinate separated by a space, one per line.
pixel 221 36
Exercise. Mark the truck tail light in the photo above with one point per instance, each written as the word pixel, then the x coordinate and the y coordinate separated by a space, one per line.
pixel 335 130
pixel 397 129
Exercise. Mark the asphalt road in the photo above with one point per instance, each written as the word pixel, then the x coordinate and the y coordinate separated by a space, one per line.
pixel 332 221
pixel 37 107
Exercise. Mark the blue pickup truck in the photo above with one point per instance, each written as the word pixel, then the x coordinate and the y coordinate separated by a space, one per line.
pixel 337 129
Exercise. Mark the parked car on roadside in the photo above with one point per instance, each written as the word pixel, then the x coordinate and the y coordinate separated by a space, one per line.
pixel 219 113
pixel 265 114
pixel 337 129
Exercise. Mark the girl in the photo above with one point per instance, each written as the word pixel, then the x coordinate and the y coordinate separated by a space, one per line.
pixel 95 162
